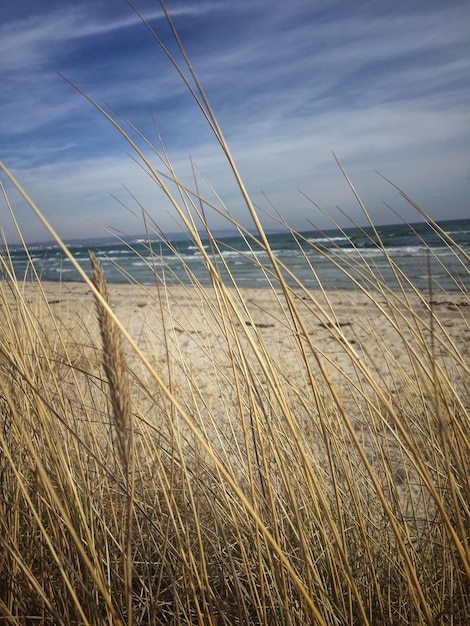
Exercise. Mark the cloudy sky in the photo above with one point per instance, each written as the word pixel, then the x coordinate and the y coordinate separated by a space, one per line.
pixel 382 84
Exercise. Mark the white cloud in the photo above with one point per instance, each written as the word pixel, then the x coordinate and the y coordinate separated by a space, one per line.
pixel 298 157
pixel 27 42
pixel 385 92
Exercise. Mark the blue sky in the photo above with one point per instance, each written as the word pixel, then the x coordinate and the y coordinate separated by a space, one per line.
pixel 385 85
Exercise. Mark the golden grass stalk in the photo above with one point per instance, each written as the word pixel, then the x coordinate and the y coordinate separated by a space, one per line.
pixel 115 367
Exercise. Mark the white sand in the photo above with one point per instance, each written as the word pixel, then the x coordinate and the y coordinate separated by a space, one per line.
pixel 339 325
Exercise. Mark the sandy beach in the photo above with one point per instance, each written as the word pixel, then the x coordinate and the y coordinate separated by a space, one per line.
pixel 204 342
pixel 339 326
pixel 358 317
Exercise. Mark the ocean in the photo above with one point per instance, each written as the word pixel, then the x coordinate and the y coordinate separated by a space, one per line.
pixel 333 258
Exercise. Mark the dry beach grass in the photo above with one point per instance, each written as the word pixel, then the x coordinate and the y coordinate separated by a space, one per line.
pixel 274 476
pixel 193 455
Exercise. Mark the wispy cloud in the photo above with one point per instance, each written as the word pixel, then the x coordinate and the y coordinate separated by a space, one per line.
pixel 382 84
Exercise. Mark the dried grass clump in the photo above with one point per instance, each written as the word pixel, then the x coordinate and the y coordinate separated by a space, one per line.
pixel 185 476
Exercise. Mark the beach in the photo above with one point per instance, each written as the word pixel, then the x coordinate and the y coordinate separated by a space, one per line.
pixel 197 327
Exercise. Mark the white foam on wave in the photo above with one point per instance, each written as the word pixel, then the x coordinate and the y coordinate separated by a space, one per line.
pixel 326 239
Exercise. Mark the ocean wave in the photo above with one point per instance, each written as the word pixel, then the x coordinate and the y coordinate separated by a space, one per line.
pixel 326 239
pixel 390 251
pixel 247 253
pixel 206 247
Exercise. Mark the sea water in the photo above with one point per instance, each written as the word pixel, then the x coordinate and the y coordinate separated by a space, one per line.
pixel 404 255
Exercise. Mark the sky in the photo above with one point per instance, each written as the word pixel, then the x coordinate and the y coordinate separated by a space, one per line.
pixel 384 85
